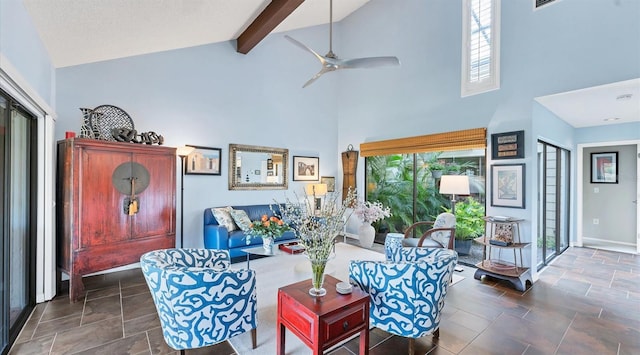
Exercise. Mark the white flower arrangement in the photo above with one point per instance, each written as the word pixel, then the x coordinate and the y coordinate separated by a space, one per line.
pixel 369 212
pixel 317 230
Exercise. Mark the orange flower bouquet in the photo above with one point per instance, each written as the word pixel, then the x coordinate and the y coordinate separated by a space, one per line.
pixel 267 227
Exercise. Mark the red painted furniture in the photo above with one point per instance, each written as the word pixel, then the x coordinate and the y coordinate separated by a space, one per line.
pixel 94 232
pixel 321 322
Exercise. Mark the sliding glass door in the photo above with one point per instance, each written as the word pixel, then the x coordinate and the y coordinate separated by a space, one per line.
pixel 17 192
pixel 553 196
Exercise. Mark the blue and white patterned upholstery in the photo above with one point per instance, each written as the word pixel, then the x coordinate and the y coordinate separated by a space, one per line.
pixel 407 293
pixel 199 299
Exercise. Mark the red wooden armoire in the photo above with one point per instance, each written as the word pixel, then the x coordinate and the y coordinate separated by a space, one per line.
pixel 115 201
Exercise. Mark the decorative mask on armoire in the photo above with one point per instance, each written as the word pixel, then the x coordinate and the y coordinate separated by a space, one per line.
pixel 130 179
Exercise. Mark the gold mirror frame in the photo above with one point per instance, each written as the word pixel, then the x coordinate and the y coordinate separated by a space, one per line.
pixel 237 173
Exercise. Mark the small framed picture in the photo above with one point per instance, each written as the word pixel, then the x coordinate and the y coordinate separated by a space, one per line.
pixel 203 161
pixel 508 145
pixel 306 168
pixel 604 168
pixel 330 181
pixel 507 185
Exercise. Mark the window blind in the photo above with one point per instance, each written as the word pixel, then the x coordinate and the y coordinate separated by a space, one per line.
pixel 480 46
pixel 475 138
pixel 480 40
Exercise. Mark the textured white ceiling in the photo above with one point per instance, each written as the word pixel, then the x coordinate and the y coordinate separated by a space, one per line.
pixel 85 31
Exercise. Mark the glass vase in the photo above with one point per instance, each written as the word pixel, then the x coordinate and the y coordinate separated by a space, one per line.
pixel 317 279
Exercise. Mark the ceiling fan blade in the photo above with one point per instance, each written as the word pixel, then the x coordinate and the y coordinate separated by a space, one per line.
pixel 302 46
pixel 370 62
pixel 315 77
pixel 331 62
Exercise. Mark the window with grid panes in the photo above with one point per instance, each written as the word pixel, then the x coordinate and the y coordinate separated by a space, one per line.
pixel 480 46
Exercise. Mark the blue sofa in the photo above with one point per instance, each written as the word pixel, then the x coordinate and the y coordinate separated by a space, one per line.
pixel 218 237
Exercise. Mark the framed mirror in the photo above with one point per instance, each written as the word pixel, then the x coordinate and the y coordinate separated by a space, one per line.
pixel 257 168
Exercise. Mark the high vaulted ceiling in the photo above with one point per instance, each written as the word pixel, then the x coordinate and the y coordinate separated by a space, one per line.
pixel 82 31
pixel 86 31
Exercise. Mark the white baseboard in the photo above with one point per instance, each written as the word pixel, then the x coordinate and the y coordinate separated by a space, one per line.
pixel 607 241
pixel 350 235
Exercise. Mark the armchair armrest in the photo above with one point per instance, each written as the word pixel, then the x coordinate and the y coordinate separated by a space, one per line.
pixel 408 233
pixel 428 234
pixel 430 255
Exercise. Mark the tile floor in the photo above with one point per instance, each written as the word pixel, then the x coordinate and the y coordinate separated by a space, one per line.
pixel 586 302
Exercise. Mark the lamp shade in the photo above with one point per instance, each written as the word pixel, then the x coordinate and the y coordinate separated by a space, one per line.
pixel 316 189
pixel 184 151
pixel 454 185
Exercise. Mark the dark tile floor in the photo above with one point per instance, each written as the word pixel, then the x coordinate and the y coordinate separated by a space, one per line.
pixel 586 302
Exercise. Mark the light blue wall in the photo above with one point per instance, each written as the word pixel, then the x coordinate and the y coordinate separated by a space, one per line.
pixel 212 96
pixel 619 132
pixel 570 45
pixel 22 47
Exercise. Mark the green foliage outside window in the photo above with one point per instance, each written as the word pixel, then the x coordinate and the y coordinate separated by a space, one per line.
pixel 469 222
pixel 392 179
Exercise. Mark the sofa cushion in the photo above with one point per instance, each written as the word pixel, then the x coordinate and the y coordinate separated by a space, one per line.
pixel 241 218
pixel 223 216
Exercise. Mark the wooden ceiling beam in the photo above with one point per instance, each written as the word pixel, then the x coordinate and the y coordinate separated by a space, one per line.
pixel 270 18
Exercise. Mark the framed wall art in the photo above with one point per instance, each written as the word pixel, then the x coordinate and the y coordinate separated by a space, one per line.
pixel 203 161
pixel 507 185
pixel 508 145
pixel 330 181
pixel 306 168
pixel 604 168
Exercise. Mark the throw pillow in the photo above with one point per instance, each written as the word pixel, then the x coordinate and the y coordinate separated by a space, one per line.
pixel 444 220
pixel 223 216
pixel 241 218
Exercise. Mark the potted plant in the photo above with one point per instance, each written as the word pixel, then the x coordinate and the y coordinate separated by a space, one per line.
pixel 436 167
pixel 469 223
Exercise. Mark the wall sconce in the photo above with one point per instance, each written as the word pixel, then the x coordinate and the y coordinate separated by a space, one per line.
pixel 183 153
pixel 454 185
pixel 317 191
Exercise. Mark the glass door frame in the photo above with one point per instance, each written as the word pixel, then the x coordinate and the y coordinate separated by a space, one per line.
pixel 562 202
pixel 11 330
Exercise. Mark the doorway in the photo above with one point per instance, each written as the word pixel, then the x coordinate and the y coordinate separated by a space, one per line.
pixel 18 192
pixel 608 211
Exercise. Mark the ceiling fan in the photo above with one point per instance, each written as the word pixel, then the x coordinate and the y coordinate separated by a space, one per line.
pixel 330 62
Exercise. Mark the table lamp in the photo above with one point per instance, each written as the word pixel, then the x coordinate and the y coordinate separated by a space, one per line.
pixel 454 185
pixel 317 191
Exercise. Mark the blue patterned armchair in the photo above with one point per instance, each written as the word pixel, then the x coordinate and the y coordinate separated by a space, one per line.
pixel 200 301
pixel 407 293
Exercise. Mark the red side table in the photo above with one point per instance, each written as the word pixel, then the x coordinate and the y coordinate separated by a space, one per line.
pixel 321 322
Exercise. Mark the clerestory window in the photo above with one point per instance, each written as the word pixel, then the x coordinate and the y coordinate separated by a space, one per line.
pixel 480 46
